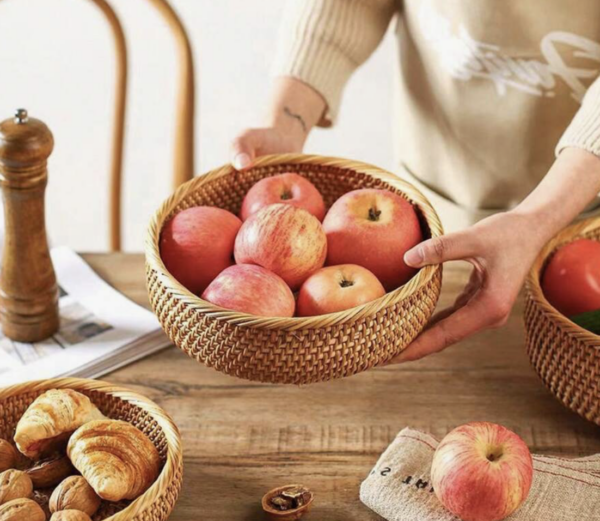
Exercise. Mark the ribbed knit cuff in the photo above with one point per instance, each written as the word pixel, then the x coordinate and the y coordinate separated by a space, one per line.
pixel 584 130
pixel 323 41
pixel 311 50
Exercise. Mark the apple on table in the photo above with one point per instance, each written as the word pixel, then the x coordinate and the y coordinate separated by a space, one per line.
pixel 482 472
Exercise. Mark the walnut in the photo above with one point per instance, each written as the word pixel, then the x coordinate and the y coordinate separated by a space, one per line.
pixel 8 456
pixel 70 515
pixel 50 472
pixel 42 498
pixel 75 493
pixel 21 510
pixel 290 502
pixel 14 484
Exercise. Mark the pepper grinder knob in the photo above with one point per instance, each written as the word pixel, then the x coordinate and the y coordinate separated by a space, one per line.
pixel 28 288
pixel 21 116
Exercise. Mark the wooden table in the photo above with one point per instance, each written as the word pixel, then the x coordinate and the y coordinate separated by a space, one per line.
pixel 242 438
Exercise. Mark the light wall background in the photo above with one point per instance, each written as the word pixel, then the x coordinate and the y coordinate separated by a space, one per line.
pixel 56 59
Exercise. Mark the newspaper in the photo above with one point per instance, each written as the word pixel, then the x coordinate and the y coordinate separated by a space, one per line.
pixel 100 330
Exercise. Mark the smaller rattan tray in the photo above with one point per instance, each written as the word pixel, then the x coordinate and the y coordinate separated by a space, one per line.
pixel 565 356
pixel 291 350
pixel 118 403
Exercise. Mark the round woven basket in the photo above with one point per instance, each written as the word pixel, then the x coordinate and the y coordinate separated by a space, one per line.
pixel 291 350
pixel 565 356
pixel 117 403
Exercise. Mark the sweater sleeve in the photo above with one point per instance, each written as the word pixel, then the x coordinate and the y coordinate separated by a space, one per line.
pixel 322 42
pixel 584 130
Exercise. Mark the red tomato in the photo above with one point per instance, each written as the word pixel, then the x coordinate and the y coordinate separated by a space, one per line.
pixel 571 281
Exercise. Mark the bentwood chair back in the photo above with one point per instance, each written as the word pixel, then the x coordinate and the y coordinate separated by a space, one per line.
pixel 183 168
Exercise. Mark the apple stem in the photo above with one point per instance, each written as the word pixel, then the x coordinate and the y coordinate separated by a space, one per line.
pixel 374 214
pixel 495 455
pixel 286 195
pixel 346 283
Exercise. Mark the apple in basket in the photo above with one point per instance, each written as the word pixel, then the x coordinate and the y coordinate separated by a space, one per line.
pixel 286 240
pixel 374 229
pixel 251 289
pixel 571 281
pixel 337 288
pixel 284 188
pixel 482 472
pixel 197 244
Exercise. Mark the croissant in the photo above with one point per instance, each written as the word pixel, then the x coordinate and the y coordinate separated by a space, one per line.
pixel 117 459
pixel 51 419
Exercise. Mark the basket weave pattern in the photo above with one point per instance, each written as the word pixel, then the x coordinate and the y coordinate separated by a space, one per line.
pixel 565 356
pixel 290 350
pixel 158 501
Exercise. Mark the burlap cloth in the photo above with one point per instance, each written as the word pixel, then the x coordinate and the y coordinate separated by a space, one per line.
pixel 399 487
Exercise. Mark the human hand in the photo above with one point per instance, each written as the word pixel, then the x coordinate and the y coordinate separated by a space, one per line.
pixel 294 109
pixel 254 142
pixel 501 249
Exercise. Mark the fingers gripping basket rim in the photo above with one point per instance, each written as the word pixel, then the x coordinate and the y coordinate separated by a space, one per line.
pixel 158 501
pixel 167 210
pixel 563 354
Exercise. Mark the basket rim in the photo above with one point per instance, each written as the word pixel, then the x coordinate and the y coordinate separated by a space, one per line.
pixel 534 288
pixel 174 457
pixel 423 276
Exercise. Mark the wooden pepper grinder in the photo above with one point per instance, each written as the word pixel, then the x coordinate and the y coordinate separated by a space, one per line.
pixel 28 289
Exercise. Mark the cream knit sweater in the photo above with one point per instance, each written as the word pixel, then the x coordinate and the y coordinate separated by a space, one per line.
pixel 487 89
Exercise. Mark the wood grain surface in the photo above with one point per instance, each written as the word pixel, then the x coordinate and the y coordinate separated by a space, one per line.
pixel 241 439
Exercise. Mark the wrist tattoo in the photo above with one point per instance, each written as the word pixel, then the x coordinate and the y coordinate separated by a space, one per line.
pixel 289 113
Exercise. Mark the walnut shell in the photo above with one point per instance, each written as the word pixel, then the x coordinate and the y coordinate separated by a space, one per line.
pixel 8 456
pixel 75 493
pixel 70 515
pixel 50 472
pixel 295 509
pixel 21 510
pixel 14 484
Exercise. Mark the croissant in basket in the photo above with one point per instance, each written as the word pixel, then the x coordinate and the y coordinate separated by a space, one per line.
pixel 51 419
pixel 116 458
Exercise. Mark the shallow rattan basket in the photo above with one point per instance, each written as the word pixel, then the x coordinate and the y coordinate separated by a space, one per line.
pixel 291 350
pixel 119 403
pixel 565 356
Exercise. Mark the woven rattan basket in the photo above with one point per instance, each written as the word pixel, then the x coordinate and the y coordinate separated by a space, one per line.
pixel 566 356
pixel 291 350
pixel 115 402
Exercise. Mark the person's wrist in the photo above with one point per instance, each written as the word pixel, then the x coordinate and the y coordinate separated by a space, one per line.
pixel 290 129
pixel 536 226
pixel 546 209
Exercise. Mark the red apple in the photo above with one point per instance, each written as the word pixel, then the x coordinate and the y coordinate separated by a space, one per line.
pixel 286 240
pixel 197 244
pixel 336 288
pixel 374 229
pixel 251 289
pixel 571 281
pixel 284 188
pixel 482 472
